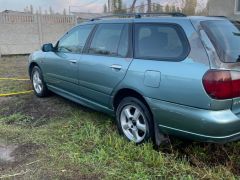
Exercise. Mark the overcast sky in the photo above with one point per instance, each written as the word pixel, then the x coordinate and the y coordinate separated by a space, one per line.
pixel 81 5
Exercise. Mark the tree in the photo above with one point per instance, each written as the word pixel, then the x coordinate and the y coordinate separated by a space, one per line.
pixel 133 5
pixel 149 6
pixel 178 9
pixel 173 8
pixel 118 7
pixel 167 8
pixel 141 8
pixel 207 8
pixel 51 10
pixel 105 10
pixel 159 8
pixel 31 9
pixel 190 7
pixel 26 10
pixel 40 10
pixel 124 8
pixel 64 12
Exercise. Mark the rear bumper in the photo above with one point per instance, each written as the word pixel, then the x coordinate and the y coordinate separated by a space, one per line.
pixel 193 123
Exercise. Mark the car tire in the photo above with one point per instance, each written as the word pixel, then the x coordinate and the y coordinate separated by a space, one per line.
pixel 39 86
pixel 134 120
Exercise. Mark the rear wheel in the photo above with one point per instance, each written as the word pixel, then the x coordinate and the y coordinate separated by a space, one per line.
pixel 39 85
pixel 134 120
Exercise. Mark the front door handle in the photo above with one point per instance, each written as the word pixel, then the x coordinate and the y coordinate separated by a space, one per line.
pixel 73 61
pixel 116 67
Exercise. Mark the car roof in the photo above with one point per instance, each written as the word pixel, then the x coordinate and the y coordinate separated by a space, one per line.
pixel 153 19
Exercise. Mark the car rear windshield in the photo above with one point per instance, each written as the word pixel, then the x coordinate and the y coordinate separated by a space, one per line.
pixel 225 36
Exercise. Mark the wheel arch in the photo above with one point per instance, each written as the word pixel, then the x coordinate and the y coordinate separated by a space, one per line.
pixel 31 66
pixel 127 92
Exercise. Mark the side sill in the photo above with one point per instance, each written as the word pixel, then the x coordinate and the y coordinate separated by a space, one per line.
pixel 80 100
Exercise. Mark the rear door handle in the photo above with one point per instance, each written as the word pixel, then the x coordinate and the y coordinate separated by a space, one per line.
pixel 116 67
pixel 73 61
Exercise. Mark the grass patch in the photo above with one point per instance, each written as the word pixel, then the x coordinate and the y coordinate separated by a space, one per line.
pixel 11 86
pixel 13 66
pixel 58 139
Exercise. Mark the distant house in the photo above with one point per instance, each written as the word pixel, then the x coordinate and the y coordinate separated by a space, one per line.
pixel 229 8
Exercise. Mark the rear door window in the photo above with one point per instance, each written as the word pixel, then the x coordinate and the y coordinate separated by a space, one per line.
pixel 225 36
pixel 166 42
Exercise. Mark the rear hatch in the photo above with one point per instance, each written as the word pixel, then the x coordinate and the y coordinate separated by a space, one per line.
pixel 224 82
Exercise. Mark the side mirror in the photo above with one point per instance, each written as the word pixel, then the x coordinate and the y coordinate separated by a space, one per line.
pixel 47 47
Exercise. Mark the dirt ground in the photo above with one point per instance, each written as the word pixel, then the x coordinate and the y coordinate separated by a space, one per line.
pixel 54 138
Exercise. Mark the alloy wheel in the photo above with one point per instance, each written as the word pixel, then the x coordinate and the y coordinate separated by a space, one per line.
pixel 133 123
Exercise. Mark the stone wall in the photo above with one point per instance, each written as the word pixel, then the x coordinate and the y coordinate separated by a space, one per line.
pixel 223 8
pixel 24 33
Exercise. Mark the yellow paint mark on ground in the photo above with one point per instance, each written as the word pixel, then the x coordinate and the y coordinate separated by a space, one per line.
pixel 14 79
pixel 15 93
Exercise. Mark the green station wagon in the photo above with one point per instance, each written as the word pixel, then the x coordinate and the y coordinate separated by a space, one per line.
pixel 156 73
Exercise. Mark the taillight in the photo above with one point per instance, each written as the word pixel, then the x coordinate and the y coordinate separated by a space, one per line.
pixel 222 84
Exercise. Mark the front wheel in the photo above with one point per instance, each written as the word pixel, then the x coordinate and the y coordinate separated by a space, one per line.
pixel 134 120
pixel 38 84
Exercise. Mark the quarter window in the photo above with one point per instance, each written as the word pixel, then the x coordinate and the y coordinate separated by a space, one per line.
pixel 160 42
pixel 106 40
pixel 74 41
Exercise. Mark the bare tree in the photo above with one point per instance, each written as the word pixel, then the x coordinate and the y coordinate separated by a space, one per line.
pixel 190 7
pixel 133 5
pixel 105 8
pixel 64 12
pixel 51 10
pixel 167 8
pixel 178 9
pixel 40 10
pixel 31 9
pixel 149 6
pixel 173 8
pixel 141 8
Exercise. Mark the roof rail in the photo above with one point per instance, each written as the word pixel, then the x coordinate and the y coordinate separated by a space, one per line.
pixel 218 16
pixel 140 15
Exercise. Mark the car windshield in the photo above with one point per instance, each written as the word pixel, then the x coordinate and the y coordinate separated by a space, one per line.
pixel 225 36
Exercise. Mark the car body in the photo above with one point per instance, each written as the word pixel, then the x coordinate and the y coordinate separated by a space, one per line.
pixel 170 64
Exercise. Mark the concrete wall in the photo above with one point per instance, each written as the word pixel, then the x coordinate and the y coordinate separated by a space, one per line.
pixel 25 33
pixel 223 8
